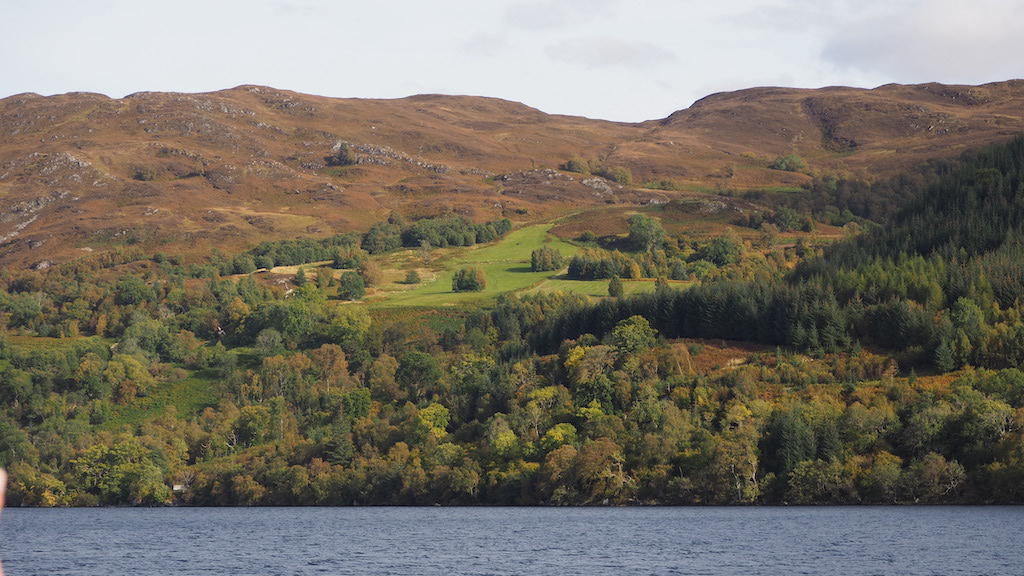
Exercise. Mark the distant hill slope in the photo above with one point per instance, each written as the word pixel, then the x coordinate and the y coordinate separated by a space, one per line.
pixel 84 172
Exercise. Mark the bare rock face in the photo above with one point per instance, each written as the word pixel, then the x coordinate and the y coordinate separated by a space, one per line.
pixel 601 185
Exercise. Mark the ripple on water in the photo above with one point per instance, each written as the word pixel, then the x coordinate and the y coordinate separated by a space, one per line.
pixel 511 541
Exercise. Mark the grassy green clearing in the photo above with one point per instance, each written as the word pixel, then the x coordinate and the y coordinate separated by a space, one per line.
pixel 598 288
pixel 47 343
pixel 188 396
pixel 506 264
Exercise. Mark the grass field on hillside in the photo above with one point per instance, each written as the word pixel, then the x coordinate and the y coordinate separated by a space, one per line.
pixel 506 263
pixel 599 288
pixel 188 396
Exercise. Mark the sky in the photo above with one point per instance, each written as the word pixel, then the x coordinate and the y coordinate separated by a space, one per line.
pixel 623 60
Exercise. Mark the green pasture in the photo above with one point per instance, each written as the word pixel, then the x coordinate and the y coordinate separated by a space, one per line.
pixel 506 264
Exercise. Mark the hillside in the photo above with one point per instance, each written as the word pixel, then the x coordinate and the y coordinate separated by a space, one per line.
pixel 83 173
pixel 774 366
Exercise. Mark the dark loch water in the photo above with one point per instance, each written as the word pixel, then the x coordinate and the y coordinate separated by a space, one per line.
pixel 504 541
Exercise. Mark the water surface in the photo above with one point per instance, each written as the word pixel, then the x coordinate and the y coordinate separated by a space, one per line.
pixel 506 541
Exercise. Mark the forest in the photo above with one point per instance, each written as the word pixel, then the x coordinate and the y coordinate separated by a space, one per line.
pixel 883 368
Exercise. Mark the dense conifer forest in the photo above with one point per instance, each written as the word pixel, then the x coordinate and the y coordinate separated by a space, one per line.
pixel 883 368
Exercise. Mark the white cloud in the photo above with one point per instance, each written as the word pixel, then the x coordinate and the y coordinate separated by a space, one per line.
pixel 934 40
pixel 483 46
pixel 552 14
pixel 535 15
pixel 597 52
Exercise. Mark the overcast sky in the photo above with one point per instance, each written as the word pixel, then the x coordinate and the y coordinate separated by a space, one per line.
pixel 626 60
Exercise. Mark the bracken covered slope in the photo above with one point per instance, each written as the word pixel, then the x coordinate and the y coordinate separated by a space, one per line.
pixel 83 173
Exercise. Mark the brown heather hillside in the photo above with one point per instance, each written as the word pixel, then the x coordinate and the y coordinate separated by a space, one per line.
pixel 83 173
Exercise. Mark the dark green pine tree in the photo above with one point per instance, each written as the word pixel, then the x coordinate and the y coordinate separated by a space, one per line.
pixel 945 360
